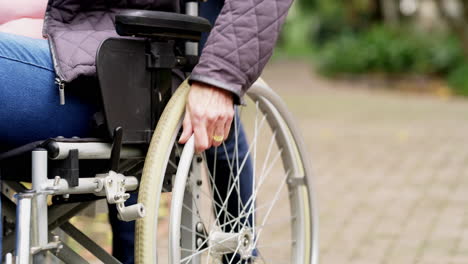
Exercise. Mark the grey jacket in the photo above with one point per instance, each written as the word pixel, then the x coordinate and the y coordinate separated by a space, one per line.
pixel 234 56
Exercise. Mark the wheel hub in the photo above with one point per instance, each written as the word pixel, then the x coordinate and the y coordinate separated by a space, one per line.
pixel 223 243
pixel 246 244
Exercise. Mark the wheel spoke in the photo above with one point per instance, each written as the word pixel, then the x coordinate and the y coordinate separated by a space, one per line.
pixel 278 221
pixel 262 180
pixel 237 178
pixel 262 202
pixel 270 147
pixel 276 244
pixel 208 196
pixel 213 184
pixel 198 251
pixel 234 254
pixel 236 154
pixel 256 132
pixel 213 180
pixel 272 204
pixel 245 214
pixel 173 164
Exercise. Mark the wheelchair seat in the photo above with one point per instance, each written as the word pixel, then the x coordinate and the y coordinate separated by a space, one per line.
pixel 70 158
pixel 153 24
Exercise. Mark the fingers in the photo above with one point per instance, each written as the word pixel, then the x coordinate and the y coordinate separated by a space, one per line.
pixel 209 115
pixel 228 124
pixel 219 132
pixel 206 128
pixel 187 128
pixel 211 123
pixel 223 127
pixel 202 141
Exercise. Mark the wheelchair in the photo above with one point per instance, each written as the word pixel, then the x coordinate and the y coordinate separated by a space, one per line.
pixel 142 116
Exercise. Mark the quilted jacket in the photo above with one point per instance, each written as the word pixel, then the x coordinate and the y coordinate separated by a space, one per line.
pixel 234 56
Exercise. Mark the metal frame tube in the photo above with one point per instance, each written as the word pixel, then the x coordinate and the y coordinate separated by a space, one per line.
pixel 8 258
pixel 86 185
pixel 89 244
pixel 95 150
pixel 23 227
pixel 39 207
pixel 191 8
pixel 67 255
pixel 57 215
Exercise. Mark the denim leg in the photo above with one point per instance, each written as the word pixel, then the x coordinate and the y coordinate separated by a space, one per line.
pixel 123 244
pixel 209 10
pixel 1 223
pixel 29 101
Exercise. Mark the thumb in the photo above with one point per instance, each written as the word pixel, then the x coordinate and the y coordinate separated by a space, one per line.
pixel 187 128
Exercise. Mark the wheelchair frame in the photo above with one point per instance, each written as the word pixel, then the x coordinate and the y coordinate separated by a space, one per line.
pixel 36 221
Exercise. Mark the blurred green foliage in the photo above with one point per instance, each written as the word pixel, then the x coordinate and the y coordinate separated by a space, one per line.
pixel 352 37
pixel 458 79
pixel 391 50
pixel 295 38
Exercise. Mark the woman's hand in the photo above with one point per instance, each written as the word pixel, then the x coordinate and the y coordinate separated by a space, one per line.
pixel 209 113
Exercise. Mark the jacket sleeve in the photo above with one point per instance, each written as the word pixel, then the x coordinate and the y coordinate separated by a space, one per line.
pixel 240 44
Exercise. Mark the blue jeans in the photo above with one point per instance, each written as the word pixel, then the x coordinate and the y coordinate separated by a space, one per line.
pixel 29 101
pixel 30 111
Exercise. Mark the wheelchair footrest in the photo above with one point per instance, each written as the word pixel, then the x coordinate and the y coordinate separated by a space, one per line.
pixel 114 186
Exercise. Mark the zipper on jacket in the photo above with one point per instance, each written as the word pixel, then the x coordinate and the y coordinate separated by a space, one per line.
pixel 61 85
pixel 58 79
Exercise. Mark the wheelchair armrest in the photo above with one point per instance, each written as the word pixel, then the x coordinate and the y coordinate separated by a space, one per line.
pixel 157 24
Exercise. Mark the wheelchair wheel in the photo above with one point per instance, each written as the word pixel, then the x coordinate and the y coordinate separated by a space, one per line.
pixel 154 170
pixel 218 215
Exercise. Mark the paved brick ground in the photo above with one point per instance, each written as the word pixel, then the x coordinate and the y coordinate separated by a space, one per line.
pixel 391 169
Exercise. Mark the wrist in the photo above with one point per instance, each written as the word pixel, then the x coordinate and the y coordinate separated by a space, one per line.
pixel 197 84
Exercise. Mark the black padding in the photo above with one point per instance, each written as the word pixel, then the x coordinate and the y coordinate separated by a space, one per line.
pixel 69 168
pixel 145 23
pixel 125 88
